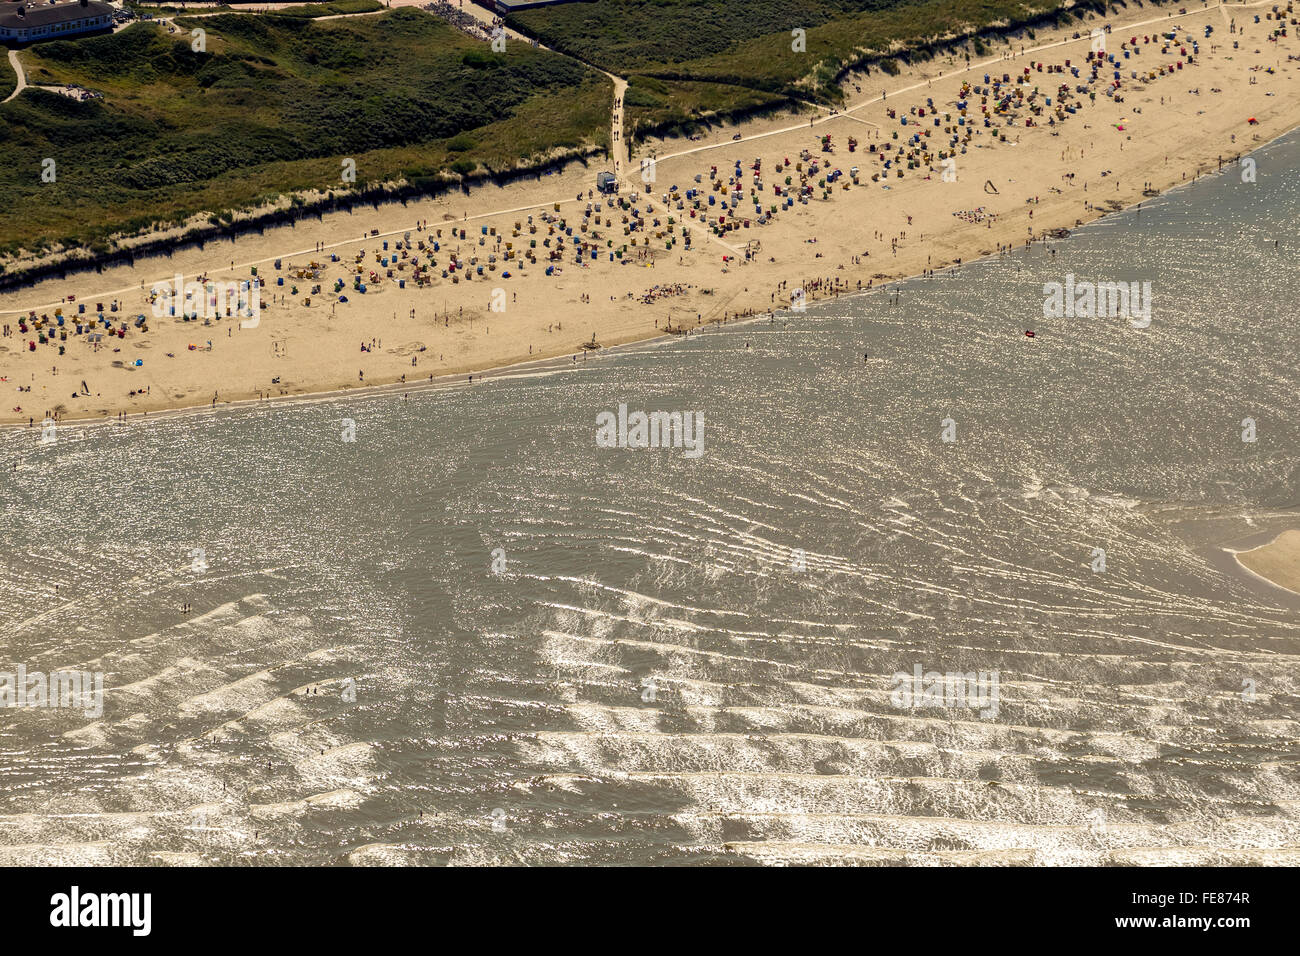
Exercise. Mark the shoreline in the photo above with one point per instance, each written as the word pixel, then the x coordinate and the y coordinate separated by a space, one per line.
pixel 1282 548
pixel 713 298
pixel 555 361
pixel 543 365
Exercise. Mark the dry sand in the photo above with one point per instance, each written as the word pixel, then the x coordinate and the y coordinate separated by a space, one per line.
pixel 1277 562
pixel 316 348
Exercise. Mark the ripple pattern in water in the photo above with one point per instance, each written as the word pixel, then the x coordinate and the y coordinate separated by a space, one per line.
pixel 691 660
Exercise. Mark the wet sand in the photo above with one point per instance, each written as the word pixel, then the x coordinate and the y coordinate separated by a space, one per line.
pixel 1277 562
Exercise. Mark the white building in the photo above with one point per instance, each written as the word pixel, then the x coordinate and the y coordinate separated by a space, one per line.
pixel 29 22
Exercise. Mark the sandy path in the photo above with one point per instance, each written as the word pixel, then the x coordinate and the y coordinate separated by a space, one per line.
pixel 22 76
pixel 618 145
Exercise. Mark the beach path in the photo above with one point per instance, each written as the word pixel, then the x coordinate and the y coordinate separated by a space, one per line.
pixel 18 71
pixel 617 143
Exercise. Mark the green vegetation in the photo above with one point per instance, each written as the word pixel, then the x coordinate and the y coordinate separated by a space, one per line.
pixel 167 10
pixel 652 104
pixel 278 100
pixel 641 35
pixel 272 107
pixel 747 47
pixel 8 78
pixel 328 8
pixel 306 11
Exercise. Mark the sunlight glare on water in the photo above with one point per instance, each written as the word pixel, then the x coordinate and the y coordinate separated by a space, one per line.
pixel 475 636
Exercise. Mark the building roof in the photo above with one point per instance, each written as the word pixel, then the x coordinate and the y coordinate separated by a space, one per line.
pixel 47 14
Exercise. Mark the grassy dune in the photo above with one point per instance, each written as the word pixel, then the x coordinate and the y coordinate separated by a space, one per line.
pixel 273 105
pixel 8 78
pixel 329 8
pixel 308 11
pixel 748 49
pixel 654 104
pixel 750 43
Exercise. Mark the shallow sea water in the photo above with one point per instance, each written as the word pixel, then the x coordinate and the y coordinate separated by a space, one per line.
pixel 691 660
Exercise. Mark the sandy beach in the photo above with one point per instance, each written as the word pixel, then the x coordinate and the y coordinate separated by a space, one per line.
pixel 542 268
pixel 1278 561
